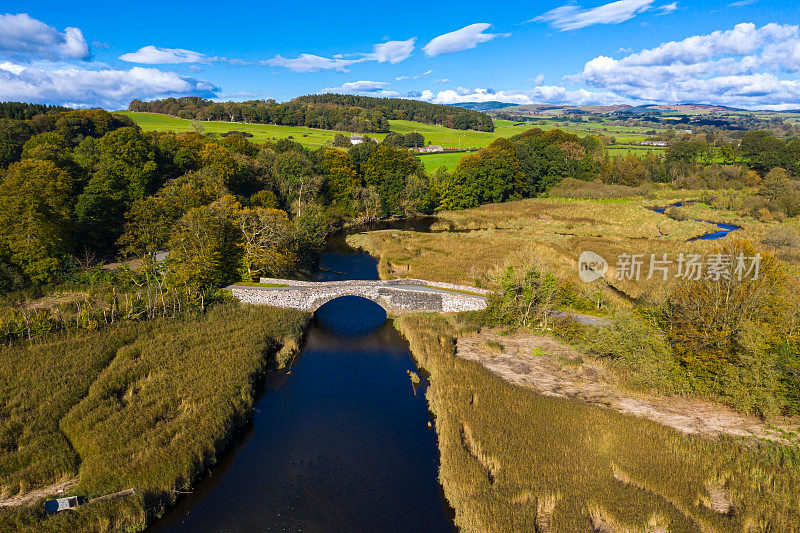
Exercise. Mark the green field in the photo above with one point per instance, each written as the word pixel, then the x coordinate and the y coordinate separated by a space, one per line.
pixel 314 138
pixel 627 136
pixel 434 161
pixel 450 138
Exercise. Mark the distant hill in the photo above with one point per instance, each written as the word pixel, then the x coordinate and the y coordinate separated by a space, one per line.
pixel 483 106
pixel 539 110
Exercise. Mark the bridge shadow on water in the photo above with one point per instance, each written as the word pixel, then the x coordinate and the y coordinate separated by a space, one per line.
pixel 350 316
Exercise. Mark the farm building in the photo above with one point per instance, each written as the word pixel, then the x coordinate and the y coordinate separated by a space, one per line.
pixel 653 143
pixel 356 139
pixel 431 148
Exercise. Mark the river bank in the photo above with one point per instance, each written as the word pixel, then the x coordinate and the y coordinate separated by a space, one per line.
pixel 551 368
pixel 513 459
pixel 151 407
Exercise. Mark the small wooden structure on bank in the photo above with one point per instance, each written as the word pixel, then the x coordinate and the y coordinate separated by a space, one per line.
pixel 71 502
pixel 60 504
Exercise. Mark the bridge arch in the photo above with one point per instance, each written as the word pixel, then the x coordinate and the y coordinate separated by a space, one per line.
pixel 316 302
pixel 351 316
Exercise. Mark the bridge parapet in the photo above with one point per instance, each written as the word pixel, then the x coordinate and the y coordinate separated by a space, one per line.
pixel 395 296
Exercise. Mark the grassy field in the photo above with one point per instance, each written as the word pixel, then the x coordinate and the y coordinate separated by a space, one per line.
pixel 513 460
pixel 146 406
pixel 314 138
pixel 450 138
pixel 471 243
pixel 627 137
pixel 310 137
pixel 432 162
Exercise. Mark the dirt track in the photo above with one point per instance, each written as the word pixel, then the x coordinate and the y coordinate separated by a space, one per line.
pixel 555 369
pixel 29 498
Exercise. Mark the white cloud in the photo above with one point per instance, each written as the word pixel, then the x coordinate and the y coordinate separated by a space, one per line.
pixel 24 37
pixel 538 80
pixel 442 80
pixel 151 55
pixel 740 67
pixel 741 3
pixel 392 51
pixel 388 52
pixel 373 88
pixel 666 9
pixel 93 87
pixel 463 39
pixel 573 17
pixel 360 86
pixel 310 63
pixel 554 95
pixel 401 78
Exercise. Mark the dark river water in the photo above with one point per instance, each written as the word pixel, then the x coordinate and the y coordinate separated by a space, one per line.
pixel 341 443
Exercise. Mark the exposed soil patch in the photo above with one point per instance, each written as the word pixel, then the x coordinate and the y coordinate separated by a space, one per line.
pixel 31 497
pixel 555 369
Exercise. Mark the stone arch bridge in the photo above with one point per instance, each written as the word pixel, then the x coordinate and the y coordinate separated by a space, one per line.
pixel 397 296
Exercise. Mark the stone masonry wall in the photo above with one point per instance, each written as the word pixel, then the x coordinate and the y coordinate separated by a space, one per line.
pixel 309 296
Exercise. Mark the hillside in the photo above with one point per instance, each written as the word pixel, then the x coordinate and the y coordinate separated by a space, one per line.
pixel 483 106
pixel 343 112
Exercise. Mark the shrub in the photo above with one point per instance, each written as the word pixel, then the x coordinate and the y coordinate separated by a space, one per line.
pixel 676 213
pixel 781 237
pixel 640 351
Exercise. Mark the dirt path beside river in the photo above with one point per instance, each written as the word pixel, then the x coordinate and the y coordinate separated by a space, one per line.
pixel 555 369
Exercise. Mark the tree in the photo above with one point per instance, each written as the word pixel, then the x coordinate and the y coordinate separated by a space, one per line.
pixel 100 210
pixel 414 140
pixel 268 244
pixel 35 222
pixel 13 135
pixel 386 171
pixel 294 174
pixel 491 175
pixel 128 156
pixel 206 245
pixel 763 150
pixel 148 225
pixel 711 322
pixel 340 176
pixel 340 141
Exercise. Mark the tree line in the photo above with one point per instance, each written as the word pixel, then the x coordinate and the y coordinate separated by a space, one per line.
pixel 401 109
pixel 332 112
pixel 88 183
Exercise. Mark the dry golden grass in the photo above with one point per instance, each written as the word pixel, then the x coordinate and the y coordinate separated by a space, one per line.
pixel 146 405
pixel 465 246
pixel 512 460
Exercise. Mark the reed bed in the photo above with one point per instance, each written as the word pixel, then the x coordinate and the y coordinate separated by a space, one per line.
pixel 160 407
pixel 512 460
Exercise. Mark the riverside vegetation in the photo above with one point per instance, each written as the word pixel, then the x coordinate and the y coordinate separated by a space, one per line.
pixel 148 405
pixel 114 243
pixel 513 460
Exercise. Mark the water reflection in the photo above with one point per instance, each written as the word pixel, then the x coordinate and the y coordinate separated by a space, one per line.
pixel 341 444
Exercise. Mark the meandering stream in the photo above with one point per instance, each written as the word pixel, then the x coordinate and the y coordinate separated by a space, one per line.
pixel 342 443
pixel 723 230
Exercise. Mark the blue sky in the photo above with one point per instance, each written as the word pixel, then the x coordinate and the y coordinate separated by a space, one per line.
pixel 738 53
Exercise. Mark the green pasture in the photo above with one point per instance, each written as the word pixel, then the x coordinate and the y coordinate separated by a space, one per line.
pixel 314 138
pixel 432 162
pixel 628 136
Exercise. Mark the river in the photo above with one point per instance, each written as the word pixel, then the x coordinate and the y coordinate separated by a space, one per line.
pixel 342 443
pixel 722 231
